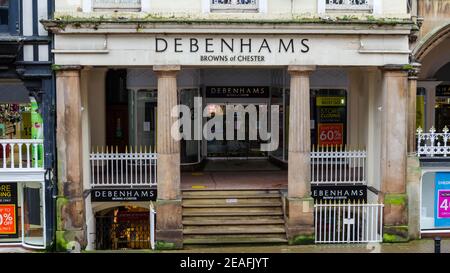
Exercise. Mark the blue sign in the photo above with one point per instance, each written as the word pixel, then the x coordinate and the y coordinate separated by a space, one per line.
pixel 442 200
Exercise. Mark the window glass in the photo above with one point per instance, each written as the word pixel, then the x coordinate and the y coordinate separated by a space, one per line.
pixel 4 5
pixel 33 214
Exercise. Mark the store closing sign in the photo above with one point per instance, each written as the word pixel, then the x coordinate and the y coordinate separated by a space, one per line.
pixel 442 200
pixel 8 210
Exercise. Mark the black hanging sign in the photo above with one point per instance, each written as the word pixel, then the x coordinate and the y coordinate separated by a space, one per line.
pixel 237 92
pixel 339 193
pixel 443 91
pixel 8 211
pixel 123 195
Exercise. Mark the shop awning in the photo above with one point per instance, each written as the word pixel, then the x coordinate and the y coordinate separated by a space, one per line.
pixel 14 93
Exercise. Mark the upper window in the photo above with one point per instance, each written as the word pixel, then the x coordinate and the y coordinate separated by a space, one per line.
pixel 116 5
pixel 234 5
pixel 4 14
pixel 349 5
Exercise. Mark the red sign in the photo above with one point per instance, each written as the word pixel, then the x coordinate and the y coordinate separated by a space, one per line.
pixel 330 134
pixel 7 219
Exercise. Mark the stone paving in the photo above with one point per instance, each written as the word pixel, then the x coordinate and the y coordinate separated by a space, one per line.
pixel 418 246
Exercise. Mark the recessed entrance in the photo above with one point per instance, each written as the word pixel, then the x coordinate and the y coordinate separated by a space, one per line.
pixel 125 227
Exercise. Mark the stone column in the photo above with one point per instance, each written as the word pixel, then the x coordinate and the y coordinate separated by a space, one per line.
pixel 412 110
pixel 394 140
pixel 300 205
pixel 169 229
pixel 71 221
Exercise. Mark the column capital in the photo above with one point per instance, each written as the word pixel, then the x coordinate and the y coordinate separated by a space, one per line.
pixel 57 67
pixel 166 69
pixel 301 69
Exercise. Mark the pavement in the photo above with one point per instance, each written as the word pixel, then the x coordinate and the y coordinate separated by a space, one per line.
pixel 417 246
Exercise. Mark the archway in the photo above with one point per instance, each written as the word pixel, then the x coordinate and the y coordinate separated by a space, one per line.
pixel 433 96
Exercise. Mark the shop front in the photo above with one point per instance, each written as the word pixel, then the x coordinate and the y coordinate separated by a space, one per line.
pixel 325 90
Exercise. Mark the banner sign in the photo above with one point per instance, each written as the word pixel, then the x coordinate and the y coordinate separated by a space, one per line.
pixel 123 195
pixel 237 92
pixel 442 200
pixel 330 134
pixel 8 210
pixel 339 193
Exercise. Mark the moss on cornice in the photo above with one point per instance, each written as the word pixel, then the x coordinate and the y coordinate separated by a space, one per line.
pixel 94 21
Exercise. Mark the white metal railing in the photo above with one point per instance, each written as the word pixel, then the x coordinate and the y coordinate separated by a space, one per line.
pixel 337 165
pixel 133 168
pixel 234 4
pixel 116 4
pixel 433 144
pixel 339 222
pixel 349 5
pixel 21 154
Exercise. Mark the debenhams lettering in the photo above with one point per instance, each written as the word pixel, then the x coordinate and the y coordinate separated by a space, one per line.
pixel 231 45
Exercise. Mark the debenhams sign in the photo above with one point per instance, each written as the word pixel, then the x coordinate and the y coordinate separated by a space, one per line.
pixel 231 50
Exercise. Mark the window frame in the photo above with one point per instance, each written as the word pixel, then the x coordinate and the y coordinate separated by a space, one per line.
pixel 5 27
pixel 368 8
pixel 233 7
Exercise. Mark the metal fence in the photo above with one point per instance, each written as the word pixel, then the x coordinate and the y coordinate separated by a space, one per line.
pixel 337 165
pixel 21 154
pixel 135 167
pixel 346 222
pixel 433 144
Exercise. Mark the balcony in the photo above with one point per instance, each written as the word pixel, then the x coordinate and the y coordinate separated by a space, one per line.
pixel 21 160
pixel 234 5
pixel 349 5
pixel 116 5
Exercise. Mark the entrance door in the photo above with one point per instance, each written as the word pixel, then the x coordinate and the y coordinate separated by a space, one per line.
pixel 236 149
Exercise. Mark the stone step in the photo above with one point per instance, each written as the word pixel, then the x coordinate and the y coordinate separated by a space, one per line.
pixel 230 193
pixel 232 220
pixel 251 211
pixel 235 239
pixel 232 202
pixel 236 229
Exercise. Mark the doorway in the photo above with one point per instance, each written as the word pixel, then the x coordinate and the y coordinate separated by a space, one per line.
pixel 125 227
pixel 243 147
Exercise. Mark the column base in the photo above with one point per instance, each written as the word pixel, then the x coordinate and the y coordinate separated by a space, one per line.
pixel 395 234
pixel 300 221
pixel 70 240
pixel 395 209
pixel 169 227
pixel 413 189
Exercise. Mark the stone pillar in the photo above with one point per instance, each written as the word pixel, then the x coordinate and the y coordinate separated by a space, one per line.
pixel 394 153
pixel 169 229
pixel 412 110
pixel 300 205
pixel 71 221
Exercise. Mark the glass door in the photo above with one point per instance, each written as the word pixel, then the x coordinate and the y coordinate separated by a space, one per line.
pixel 233 148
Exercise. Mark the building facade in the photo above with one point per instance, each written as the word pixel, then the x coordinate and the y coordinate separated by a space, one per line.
pixel 430 52
pixel 336 71
pixel 27 118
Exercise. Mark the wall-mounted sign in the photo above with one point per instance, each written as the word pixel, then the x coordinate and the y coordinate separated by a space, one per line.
pixel 123 195
pixel 442 200
pixel 237 92
pixel 8 210
pixel 330 101
pixel 443 91
pixel 330 134
pixel 339 193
